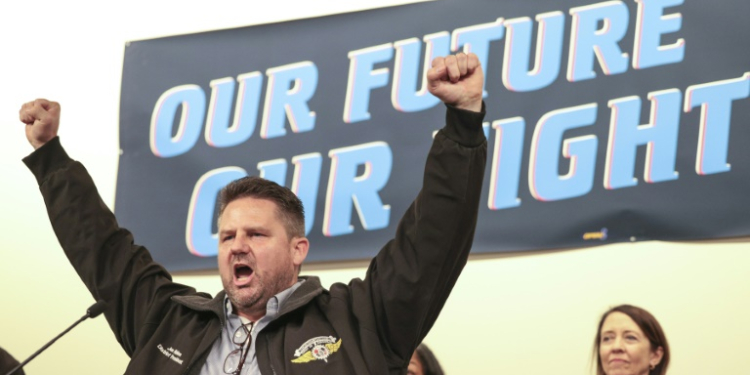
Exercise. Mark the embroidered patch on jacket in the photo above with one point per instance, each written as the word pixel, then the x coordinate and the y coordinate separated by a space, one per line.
pixel 318 348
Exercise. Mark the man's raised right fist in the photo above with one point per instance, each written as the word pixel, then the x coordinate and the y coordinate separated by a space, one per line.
pixel 42 118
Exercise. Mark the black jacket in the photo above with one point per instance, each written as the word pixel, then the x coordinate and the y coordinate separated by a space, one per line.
pixel 376 323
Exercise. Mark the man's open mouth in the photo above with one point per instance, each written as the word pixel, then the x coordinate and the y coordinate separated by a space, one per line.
pixel 242 274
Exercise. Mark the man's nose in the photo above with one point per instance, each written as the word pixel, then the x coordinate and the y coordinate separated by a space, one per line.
pixel 240 244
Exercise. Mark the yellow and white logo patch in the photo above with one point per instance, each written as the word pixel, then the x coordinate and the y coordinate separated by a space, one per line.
pixel 318 348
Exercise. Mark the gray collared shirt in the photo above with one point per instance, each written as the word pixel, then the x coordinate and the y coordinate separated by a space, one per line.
pixel 222 348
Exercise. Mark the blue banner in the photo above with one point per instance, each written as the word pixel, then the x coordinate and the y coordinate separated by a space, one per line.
pixel 606 122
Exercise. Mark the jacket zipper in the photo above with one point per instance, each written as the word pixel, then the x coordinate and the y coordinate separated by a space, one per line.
pixel 270 362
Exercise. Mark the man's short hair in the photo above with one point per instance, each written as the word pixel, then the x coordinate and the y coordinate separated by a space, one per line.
pixel 288 206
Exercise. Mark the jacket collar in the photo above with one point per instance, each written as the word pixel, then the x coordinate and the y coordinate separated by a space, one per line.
pixel 310 289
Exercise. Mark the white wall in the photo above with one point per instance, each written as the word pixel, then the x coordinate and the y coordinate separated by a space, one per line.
pixel 532 313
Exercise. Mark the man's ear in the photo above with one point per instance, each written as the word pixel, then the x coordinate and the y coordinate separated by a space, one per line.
pixel 300 245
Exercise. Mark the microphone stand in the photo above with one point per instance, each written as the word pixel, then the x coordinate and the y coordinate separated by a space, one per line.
pixel 92 312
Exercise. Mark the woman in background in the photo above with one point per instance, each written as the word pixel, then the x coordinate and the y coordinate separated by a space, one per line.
pixel 423 362
pixel 630 341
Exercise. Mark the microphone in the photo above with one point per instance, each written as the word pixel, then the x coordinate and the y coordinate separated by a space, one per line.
pixel 96 309
pixel 92 312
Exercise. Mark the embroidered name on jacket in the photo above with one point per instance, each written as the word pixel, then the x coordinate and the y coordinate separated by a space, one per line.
pixel 318 348
pixel 171 353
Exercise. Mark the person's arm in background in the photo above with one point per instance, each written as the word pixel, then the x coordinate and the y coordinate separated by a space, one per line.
pixel 410 279
pixel 135 288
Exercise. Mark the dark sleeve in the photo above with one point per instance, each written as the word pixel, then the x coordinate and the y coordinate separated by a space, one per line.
pixel 114 269
pixel 410 279
pixel 7 363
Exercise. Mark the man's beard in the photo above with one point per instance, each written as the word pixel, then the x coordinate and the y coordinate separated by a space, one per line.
pixel 262 290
